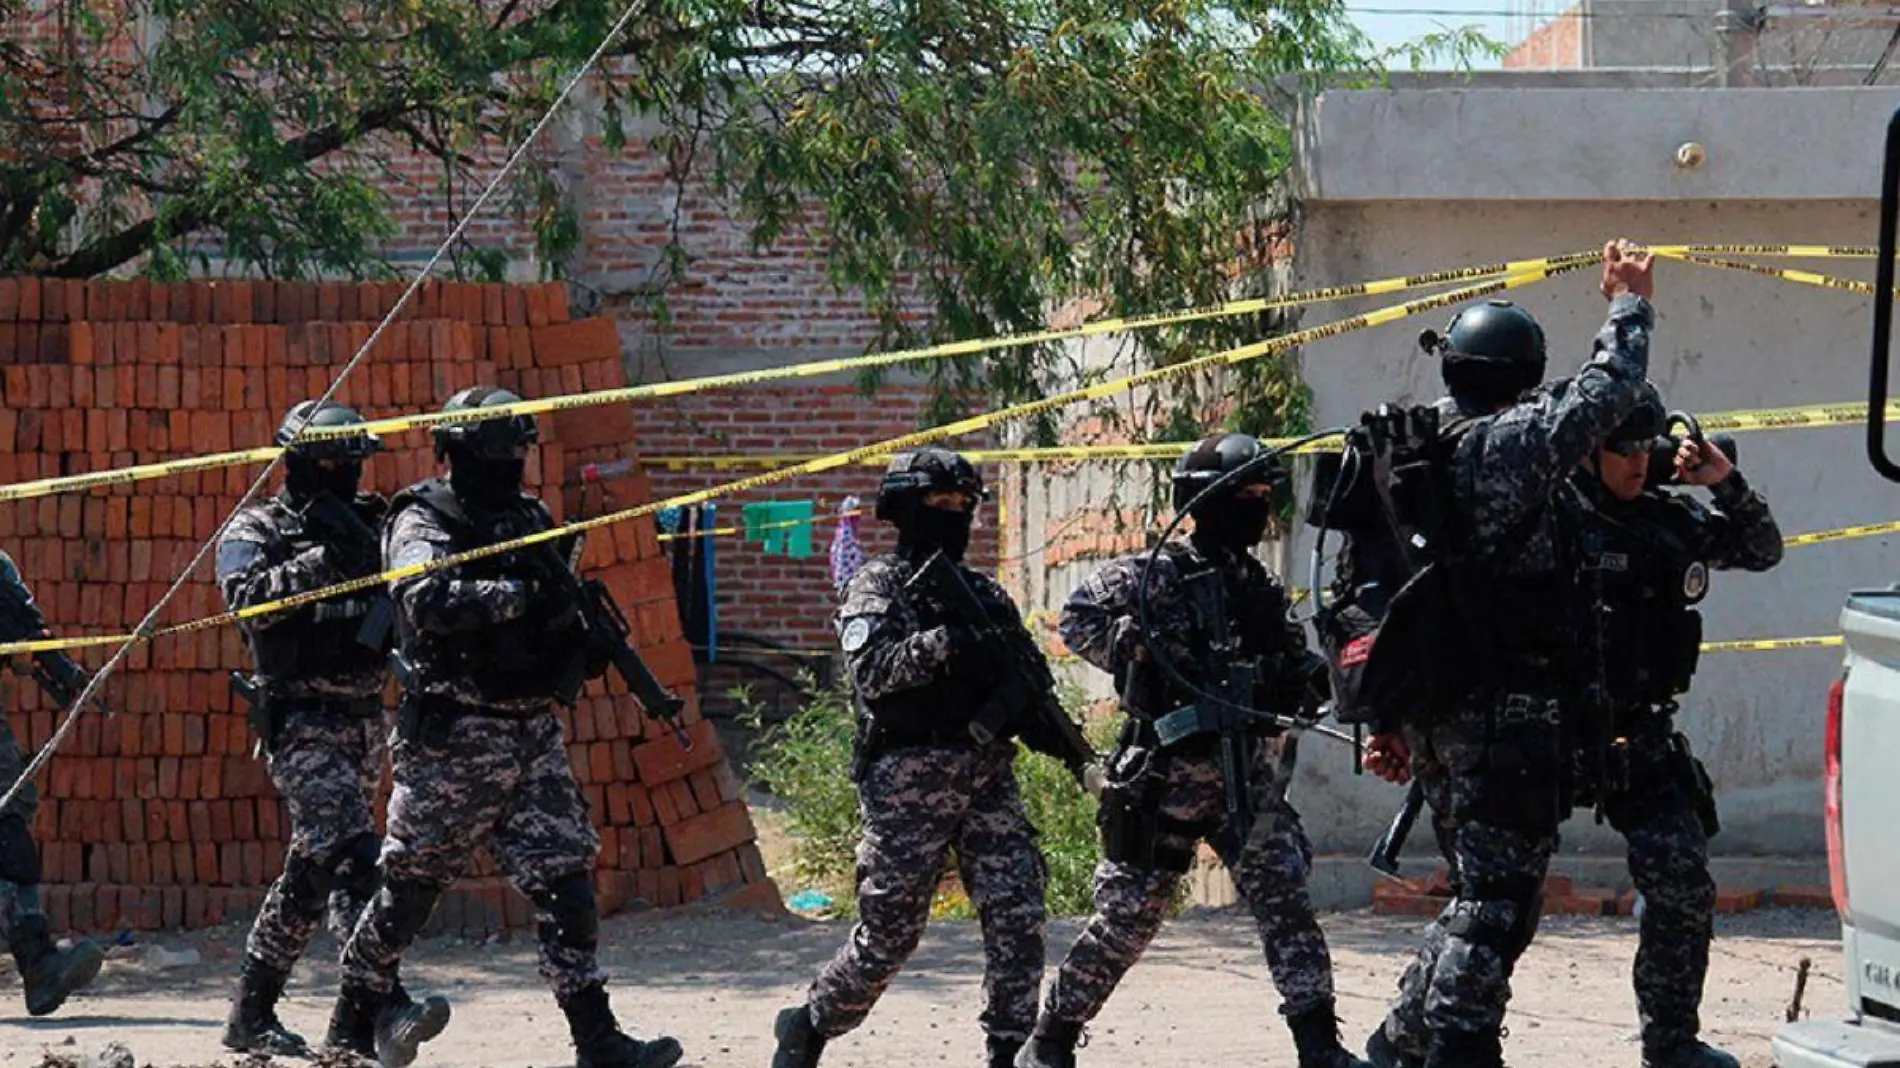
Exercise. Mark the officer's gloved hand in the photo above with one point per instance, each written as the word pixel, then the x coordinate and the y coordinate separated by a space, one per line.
pixel 552 607
pixel 353 557
pixel 968 651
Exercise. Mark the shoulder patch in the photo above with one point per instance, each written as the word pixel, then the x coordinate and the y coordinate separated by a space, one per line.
pixel 856 631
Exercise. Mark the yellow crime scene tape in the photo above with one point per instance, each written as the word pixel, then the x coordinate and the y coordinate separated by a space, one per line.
pixel 1786 274
pixel 1798 417
pixel 398 424
pixel 1766 645
pixel 1099 391
pixel 1849 252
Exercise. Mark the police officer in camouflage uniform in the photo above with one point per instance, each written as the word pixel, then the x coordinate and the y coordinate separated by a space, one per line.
pixel 1163 799
pixel 479 757
pixel 925 787
pixel 1495 756
pixel 1648 551
pixel 49 974
pixel 316 697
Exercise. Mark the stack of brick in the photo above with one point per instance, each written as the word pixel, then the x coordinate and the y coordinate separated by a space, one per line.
pixel 161 816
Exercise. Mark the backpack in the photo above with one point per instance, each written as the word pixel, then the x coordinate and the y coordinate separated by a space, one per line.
pixel 1389 634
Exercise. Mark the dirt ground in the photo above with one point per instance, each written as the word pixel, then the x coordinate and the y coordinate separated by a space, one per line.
pixel 715 982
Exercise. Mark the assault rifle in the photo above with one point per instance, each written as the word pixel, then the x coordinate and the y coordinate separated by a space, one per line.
pixel 63 680
pixel 1385 852
pixel 1024 697
pixel 608 641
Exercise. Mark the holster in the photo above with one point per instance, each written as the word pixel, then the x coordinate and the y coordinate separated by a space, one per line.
pixel 424 721
pixel 1694 778
pixel 263 715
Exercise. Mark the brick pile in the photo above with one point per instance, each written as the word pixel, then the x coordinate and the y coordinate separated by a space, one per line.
pixel 161 817
pixel 1427 896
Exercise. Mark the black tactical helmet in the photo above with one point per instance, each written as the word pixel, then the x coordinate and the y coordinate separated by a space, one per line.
pixel 355 447
pixel 1495 331
pixel 1645 423
pixel 914 475
pixel 503 437
pixel 1217 455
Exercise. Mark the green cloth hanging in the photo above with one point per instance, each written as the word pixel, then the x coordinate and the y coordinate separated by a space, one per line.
pixel 782 527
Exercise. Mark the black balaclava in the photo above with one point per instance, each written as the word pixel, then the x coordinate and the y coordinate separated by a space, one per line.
pixel 1232 522
pixel 304 479
pixel 484 482
pixel 928 529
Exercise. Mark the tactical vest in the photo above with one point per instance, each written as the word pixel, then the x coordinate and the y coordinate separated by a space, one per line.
pixel 940 713
pixel 515 660
pixel 318 641
pixel 1642 559
pixel 1150 692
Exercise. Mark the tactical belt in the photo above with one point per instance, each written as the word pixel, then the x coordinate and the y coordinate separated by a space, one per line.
pixel 938 737
pixel 363 707
pixel 432 706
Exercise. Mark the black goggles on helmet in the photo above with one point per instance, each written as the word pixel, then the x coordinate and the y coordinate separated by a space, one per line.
pixel 503 438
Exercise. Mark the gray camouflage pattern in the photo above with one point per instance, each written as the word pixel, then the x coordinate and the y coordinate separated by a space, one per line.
pixel 327 767
pixel 1669 863
pixel 1101 622
pixel 918 804
pixel 1509 468
pixel 1455 984
pixel 1270 873
pixel 492 782
pixel 16 901
pixel 265 556
pixel 1509 476
pixel 1667 849
pixel 447 601
pixel 888 648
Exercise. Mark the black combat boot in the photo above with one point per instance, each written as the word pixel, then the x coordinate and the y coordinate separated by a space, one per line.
pixel 799 1042
pixel 1385 1053
pixel 1690 1054
pixel 50 974
pixel 1456 1049
pixel 253 1026
pixel 404 1025
pixel 1316 1035
pixel 1002 1050
pixel 353 1022
pixel 599 1042
pixel 1052 1046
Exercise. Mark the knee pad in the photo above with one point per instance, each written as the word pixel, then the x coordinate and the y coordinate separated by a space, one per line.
pixel 1500 914
pixel 402 908
pixel 19 857
pixel 354 867
pixel 570 916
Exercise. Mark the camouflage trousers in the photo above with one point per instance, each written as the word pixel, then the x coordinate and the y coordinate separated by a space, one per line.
pixel 918 805
pixel 19 880
pixel 325 765
pixel 1495 779
pixel 476 781
pixel 1669 863
pixel 1270 870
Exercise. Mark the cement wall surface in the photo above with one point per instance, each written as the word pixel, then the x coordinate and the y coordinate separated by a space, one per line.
pixel 1724 341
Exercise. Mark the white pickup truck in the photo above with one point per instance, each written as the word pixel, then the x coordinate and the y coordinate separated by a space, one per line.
pixel 1863 799
pixel 1863 749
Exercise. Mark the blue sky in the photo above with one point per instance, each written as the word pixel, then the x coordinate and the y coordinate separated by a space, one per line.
pixel 1390 22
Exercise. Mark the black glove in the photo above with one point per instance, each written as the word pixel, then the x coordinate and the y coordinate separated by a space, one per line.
pixel 552 606
pixel 969 653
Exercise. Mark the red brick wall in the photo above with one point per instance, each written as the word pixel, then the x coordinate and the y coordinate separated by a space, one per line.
pixel 785 599
pixel 1556 45
pixel 160 816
